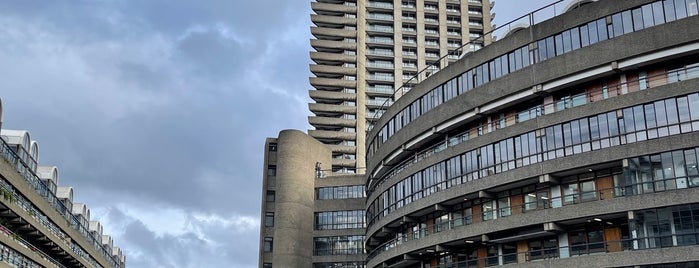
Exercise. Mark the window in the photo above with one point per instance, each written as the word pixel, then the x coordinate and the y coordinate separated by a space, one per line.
pixel 643 80
pixel 266 265
pixel 267 244
pixel 269 219
pixel 272 171
pixel 270 196
pixel 272 147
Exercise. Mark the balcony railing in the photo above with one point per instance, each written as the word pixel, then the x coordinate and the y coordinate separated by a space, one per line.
pixel 542 204
pixel 380 5
pixel 590 96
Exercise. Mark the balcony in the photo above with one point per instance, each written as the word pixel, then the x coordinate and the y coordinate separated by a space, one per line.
pixel 320 44
pixel 332 82
pixel 315 6
pixel 379 5
pixel 321 121
pixel 380 65
pixel 389 78
pixel 379 103
pixel 332 57
pixel 332 20
pixel 379 28
pixel 331 108
pixel 320 32
pixel 380 52
pixel 332 135
pixel 377 16
pixel 317 69
pixel 380 40
pixel 379 90
pixel 321 95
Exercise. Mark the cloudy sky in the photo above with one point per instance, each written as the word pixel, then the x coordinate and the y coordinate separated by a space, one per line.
pixel 156 111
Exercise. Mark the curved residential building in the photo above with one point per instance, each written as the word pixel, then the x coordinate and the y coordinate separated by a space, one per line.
pixel 40 224
pixel 573 142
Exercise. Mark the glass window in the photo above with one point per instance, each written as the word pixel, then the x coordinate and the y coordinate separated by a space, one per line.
pixel 558 39
pixel 575 38
pixel 541 47
pixel 669 6
pixel 550 47
pixel 602 29
pixel 647 16
pixel 692 8
pixel 267 244
pixel 594 36
pixel 637 15
pixel 270 197
pixel 272 171
pixel 618 25
pixel 658 14
pixel 269 219
pixel 680 9
pixel 584 36
pixel 627 21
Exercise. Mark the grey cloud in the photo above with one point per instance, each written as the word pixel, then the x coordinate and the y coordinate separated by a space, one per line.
pixel 211 247
pixel 213 54
pixel 136 107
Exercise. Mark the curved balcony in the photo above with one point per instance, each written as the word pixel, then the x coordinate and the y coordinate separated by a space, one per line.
pixel 332 57
pixel 317 81
pixel 339 8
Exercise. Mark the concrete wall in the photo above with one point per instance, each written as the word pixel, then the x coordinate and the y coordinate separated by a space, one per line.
pixel 297 154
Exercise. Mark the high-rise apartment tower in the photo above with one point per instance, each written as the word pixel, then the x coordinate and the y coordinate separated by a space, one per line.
pixel 364 51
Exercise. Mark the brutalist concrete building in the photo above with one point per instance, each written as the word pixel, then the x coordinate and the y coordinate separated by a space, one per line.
pixel 572 142
pixel 40 223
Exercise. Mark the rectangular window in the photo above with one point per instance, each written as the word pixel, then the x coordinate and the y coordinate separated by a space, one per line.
pixel 584 36
pixel 267 246
pixel 594 36
pixel 272 171
pixel 637 15
pixel 269 219
pixel 272 147
pixel 658 14
pixel 627 21
pixel 270 197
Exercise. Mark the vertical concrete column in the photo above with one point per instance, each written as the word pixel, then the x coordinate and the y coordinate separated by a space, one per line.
pixel 297 155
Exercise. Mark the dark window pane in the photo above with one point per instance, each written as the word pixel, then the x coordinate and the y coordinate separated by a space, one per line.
pixel 627 21
pixel 550 47
pixel 575 38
